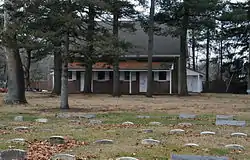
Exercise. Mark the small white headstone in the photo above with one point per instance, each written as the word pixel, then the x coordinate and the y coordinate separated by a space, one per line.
pixel 207 133
pixel 147 131
pixel 17 140
pixel 63 157
pixel 104 141
pixel 143 117
pixel 42 120
pixel 185 124
pixel 56 140
pixel 239 134
pixel 150 142
pixel 155 123
pixel 191 145
pixel 127 123
pixel 235 146
pixel 177 131
pixel 187 116
pixel 127 158
pixel 95 122
pixel 21 128
pixel 18 118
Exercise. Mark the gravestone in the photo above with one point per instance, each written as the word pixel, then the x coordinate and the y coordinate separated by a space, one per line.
pixel 187 116
pixel 56 140
pixel 143 117
pixel 18 118
pixel 155 123
pixel 95 122
pixel 207 133
pixel 193 157
pixel 150 142
pixel 239 134
pixel 42 120
pixel 177 131
pixel 21 128
pixel 191 145
pixel 13 154
pixel 87 116
pixel 62 115
pixel 230 123
pixel 235 147
pixel 224 117
pixel 147 131
pixel 63 157
pixel 17 140
pixel 127 123
pixel 126 158
pixel 104 141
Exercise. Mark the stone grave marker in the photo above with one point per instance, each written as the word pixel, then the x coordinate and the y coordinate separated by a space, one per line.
pixel 126 158
pixel 177 131
pixel 191 145
pixel 87 116
pixel 235 147
pixel 56 140
pixel 95 122
pixel 207 133
pixel 62 115
pixel 154 123
pixel 42 120
pixel 230 123
pixel 104 141
pixel 239 134
pixel 224 117
pixel 13 154
pixel 147 131
pixel 63 157
pixel 150 142
pixel 21 128
pixel 143 117
pixel 187 116
pixel 18 118
pixel 193 157
pixel 17 140
pixel 127 123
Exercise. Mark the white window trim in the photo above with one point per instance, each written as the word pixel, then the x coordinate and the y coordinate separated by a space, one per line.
pixel 106 76
pixel 156 74
pixel 126 80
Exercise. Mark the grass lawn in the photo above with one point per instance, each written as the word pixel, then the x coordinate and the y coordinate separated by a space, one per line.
pixel 127 139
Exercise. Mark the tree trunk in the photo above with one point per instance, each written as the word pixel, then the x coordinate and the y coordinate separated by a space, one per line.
pixel 90 38
pixel 182 82
pixel 57 73
pixel 27 69
pixel 193 49
pixel 116 74
pixel 150 49
pixel 15 73
pixel 64 87
pixel 207 60
pixel 221 54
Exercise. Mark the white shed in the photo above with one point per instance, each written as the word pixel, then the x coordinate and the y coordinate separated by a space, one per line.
pixel 194 81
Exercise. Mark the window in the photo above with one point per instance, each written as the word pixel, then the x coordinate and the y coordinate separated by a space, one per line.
pixel 69 74
pixel 100 75
pixel 162 76
pixel 126 76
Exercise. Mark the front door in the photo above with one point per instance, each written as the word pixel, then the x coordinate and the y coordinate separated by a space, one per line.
pixel 143 81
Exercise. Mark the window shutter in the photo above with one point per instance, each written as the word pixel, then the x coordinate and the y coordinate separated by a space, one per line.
pixel 133 76
pixel 95 75
pixel 106 75
pixel 156 76
pixel 121 76
pixel 168 75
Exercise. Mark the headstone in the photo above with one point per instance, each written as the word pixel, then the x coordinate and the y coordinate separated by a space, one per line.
pixel 18 118
pixel 104 141
pixel 207 133
pixel 95 122
pixel 147 130
pixel 193 157
pixel 63 115
pixel 42 120
pixel 235 147
pixel 187 116
pixel 56 140
pixel 224 117
pixel 143 117
pixel 155 123
pixel 63 157
pixel 185 124
pixel 87 116
pixel 126 158
pixel 230 123
pixel 13 154
pixel 21 128
pixel 150 142
pixel 239 134
pixel 177 131
pixel 17 140
pixel 127 123
pixel 191 145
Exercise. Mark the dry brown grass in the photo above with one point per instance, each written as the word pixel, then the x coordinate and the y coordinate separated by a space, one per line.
pixel 127 140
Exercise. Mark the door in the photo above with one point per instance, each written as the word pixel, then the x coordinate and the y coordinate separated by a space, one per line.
pixel 143 81
pixel 82 81
pixel 189 84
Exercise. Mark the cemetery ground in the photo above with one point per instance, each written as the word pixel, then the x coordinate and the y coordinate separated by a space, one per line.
pixel 97 117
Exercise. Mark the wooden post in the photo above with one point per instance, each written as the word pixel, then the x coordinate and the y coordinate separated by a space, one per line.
pixel 130 82
pixel 170 85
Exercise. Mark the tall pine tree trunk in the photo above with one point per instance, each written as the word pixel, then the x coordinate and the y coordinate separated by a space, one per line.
pixel 57 73
pixel 207 60
pixel 64 88
pixel 15 73
pixel 150 49
pixel 193 49
pixel 182 80
pixel 116 74
pixel 90 38
pixel 221 53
